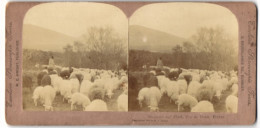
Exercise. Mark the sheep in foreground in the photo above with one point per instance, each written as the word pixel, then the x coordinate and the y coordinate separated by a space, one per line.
pixel 231 104
pixel 142 95
pixel 49 94
pixel 37 95
pixel 79 99
pixel 96 105
pixel 154 98
pixel 122 102
pixel 172 90
pixel 203 106
pixel 186 100
pixel 151 96
pixel 65 89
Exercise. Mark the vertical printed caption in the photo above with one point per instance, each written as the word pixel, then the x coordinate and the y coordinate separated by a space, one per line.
pixel 12 63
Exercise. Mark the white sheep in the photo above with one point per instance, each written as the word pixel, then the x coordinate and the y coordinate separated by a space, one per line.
pixel 203 106
pixel 151 96
pixel 182 86
pixel 74 85
pixel 56 82
pixel 231 104
pixel 37 95
pixel 142 95
pixel 79 99
pixel 186 100
pixel 172 90
pixel 193 88
pixel 122 102
pixel 96 105
pixel 154 98
pixel 195 77
pixel 66 89
pixel 85 86
pixel 49 94
pixel 162 83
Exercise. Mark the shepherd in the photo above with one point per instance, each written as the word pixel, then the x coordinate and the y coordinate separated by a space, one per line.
pixel 51 64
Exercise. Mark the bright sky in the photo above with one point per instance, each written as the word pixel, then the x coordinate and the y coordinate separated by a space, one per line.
pixel 74 19
pixel 183 19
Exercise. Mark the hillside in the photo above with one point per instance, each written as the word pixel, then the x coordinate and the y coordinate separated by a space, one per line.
pixel 142 38
pixel 39 38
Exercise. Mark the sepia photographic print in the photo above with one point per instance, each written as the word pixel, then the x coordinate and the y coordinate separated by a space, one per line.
pixel 130 63
pixel 74 59
pixel 183 57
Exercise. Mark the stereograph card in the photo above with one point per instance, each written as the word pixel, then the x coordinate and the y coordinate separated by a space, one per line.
pixel 130 63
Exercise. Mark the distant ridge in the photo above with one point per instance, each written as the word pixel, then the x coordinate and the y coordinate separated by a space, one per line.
pixel 143 38
pixel 38 38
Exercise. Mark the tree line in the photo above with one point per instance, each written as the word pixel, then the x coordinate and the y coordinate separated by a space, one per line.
pixel 101 48
pixel 208 48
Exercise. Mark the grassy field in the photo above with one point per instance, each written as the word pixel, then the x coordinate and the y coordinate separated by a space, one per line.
pixel 164 104
pixel 58 103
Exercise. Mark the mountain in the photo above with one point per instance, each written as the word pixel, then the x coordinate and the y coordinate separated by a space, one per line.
pixel 35 37
pixel 142 38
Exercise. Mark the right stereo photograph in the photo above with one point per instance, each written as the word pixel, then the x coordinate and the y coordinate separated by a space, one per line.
pixel 183 57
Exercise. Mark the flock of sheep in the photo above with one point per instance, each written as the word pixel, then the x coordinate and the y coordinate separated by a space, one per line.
pixel 82 88
pixel 86 89
pixel 190 89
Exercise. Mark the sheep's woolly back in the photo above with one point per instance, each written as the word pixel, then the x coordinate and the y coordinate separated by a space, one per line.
pixel 49 94
pixel 193 88
pixel 154 96
pixel 74 85
pixel 203 106
pixel 173 90
pixel 231 104
pixel 56 82
pixel 85 87
pixel 80 99
pixel 37 93
pixel 65 88
pixel 187 100
pixel 97 105
pixel 182 86
pixel 142 94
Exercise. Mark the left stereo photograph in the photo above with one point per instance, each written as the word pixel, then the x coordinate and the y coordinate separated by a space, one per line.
pixel 74 59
